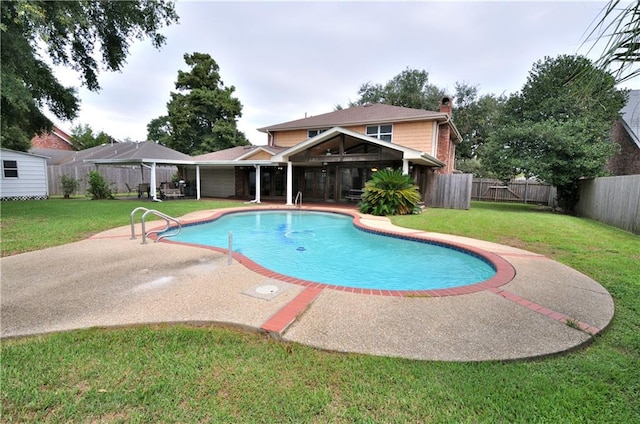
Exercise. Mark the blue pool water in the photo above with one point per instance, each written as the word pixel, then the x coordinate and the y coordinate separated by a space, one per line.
pixel 327 248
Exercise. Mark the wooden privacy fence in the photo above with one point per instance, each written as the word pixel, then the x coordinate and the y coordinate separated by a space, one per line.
pixel 121 179
pixel 612 200
pixel 521 191
pixel 450 191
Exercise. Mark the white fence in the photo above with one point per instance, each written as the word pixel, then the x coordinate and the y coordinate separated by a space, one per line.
pixel 612 200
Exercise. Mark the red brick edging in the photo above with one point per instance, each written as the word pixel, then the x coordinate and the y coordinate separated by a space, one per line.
pixel 504 270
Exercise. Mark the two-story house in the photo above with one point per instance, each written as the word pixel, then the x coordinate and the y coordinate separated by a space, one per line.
pixel 325 157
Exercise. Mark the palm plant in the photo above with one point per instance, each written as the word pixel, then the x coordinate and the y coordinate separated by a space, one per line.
pixel 390 192
pixel 618 26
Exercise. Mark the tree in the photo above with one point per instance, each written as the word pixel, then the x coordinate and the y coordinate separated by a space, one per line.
pixel 159 130
pixel 82 137
pixel 475 117
pixel 410 88
pixel 556 128
pixel 620 26
pixel 202 113
pixel 72 34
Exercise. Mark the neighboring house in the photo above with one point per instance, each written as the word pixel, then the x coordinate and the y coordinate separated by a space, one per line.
pixel 626 133
pixel 56 139
pixel 326 157
pixel 24 176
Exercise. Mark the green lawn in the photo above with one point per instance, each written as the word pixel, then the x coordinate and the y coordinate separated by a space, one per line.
pixel 209 374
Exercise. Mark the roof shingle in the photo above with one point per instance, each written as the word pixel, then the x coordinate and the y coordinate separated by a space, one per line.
pixel 370 113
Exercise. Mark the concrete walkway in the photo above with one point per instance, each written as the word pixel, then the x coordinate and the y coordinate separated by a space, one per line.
pixel 111 280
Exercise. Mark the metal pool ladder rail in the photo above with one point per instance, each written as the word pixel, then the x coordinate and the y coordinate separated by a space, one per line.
pixel 295 202
pixel 168 219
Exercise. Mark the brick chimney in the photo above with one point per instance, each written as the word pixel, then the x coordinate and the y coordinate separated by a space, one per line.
pixel 446 106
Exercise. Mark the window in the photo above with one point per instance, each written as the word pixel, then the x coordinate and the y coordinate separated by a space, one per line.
pixel 313 133
pixel 381 132
pixel 10 168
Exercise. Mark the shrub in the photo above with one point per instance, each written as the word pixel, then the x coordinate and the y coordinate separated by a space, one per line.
pixel 69 185
pixel 98 187
pixel 389 192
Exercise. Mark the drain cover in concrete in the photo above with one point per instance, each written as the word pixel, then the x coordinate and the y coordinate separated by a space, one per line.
pixel 267 290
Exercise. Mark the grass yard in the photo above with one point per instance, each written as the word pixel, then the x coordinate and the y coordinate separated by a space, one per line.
pixel 211 374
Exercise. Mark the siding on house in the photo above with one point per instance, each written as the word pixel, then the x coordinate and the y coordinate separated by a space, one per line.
pixel 31 182
pixel 260 155
pixel 415 135
pixel 217 182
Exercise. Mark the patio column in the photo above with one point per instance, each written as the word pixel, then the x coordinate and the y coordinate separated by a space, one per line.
pixel 405 166
pixel 289 183
pixel 153 181
pixel 197 182
pixel 258 179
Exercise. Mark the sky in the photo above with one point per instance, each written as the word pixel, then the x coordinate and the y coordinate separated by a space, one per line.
pixel 288 60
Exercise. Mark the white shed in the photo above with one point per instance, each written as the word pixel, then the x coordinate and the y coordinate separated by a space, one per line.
pixel 24 176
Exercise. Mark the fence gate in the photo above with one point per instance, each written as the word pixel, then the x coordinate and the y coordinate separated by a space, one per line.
pixel 518 191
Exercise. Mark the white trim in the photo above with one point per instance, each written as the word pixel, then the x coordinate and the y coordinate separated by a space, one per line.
pixel 407 153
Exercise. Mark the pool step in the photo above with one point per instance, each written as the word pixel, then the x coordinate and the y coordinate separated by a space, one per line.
pixel 281 320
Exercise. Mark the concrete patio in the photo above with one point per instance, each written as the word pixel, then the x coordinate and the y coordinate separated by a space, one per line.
pixel 111 280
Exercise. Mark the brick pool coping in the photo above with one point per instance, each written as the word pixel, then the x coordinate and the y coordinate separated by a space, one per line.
pixel 279 322
pixel 505 272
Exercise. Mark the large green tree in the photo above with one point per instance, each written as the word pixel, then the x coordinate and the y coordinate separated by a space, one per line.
pixel 82 35
pixel 475 117
pixel 557 127
pixel 83 137
pixel 410 88
pixel 201 115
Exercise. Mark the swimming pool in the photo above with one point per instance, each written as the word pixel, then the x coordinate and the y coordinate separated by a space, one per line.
pixel 327 248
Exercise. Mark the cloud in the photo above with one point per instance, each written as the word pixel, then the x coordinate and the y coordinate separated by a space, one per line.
pixel 291 59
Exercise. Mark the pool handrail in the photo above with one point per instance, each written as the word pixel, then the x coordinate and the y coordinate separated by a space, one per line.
pixel 168 219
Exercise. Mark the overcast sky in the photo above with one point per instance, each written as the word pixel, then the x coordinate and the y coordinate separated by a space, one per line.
pixel 288 59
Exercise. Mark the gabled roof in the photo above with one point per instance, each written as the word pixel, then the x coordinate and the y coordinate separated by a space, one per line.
pixel 407 153
pixel 54 156
pixel 237 153
pixel 630 114
pixel 33 154
pixel 129 153
pixel 366 114
pixel 62 135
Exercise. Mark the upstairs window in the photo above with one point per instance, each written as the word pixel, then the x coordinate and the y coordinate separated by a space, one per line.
pixel 313 133
pixel 10 168
pixel 381 132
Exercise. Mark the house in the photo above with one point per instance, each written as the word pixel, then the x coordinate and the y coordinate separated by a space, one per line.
pixel 56 139
pixel 626 133
pixel 327 157
pixel 24 176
